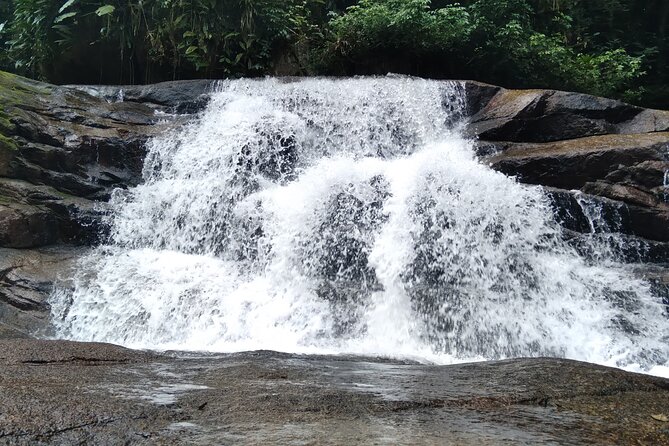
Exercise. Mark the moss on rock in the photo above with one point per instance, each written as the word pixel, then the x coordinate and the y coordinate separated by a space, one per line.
pixel 17 92
pixel 7 143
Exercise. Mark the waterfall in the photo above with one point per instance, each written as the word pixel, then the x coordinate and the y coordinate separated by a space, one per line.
pixel 348 216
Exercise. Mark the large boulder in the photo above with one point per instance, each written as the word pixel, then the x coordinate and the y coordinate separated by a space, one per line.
pixel 59 392
pixel 498 114
pixel 33 216
pixel 64 149
pixel 570 141
pixel 638 159
pixel 628 169
pixel 70 140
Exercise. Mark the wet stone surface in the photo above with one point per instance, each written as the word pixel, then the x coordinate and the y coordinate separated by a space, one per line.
pixel 57 392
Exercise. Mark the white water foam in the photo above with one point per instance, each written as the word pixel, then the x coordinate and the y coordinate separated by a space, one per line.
pixel 348 216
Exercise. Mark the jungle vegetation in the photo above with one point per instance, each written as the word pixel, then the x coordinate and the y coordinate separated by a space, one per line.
pixel 615 48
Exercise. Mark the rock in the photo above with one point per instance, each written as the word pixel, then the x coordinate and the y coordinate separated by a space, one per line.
pixel 75 142
pixel 568 209
pixel 33 216
pixel 27 278
pixel 478 96
pixel 117 396
pixel 62 352
pixel 628 169
pixel 640 236
pixel 564 140
pixel 63 150
pixel 548 115
pixel 189 96
pixel 570 164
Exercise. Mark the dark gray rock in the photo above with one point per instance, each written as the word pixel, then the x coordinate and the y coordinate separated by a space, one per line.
pixel 478 96
pixel 570 164
pixel 33 216
pixel 187 96
pixel 628 169
pixel 27 278
pixel 548 115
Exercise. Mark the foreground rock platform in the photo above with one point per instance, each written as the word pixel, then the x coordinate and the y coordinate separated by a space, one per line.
pixel 59 392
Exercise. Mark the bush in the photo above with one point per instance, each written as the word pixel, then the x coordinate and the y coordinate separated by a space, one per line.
pixel 491 40
pixel 376 34
pixel 510 50
pixel 601 47
pixel 6 13
pixel 144 40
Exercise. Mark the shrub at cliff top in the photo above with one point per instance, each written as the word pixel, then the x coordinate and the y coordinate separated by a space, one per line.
pixel 617 48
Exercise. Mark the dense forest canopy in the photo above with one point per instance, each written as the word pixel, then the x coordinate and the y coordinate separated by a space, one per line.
pixel 616 48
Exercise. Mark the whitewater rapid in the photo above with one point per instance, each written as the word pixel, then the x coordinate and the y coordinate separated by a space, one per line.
pixel 348 216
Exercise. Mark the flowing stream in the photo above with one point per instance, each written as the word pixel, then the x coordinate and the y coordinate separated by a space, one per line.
pixel 348 216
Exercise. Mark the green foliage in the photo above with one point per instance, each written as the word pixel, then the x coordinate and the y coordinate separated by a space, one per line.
pixel 493 40
pixel 374 30
pixel 616 48
pixel 31 36
pixel 210 37
pixel 509 48
pixel 6 12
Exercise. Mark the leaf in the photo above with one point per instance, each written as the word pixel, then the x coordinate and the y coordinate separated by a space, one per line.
pixel 66 5
pixel 62 17
pixel 660 417
pixel 191 50
pixel 105 10
pixel 63 29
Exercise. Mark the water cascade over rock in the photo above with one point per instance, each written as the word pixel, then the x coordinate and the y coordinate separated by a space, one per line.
pixel 349 216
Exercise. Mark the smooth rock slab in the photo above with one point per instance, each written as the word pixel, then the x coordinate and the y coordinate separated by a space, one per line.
pixel 57 392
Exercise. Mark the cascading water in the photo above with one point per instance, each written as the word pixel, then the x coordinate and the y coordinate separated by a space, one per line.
pixel 348 216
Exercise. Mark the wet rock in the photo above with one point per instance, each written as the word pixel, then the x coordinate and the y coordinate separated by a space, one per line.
pixel 33 216
pixel 338 251
pixel 628 169
pixel 189 96
pixel 478 96
pixel 63 150
pixel 117 396
pixel 624 213
pixel 74 155
pixel 62 352
pixel 27 278
pixel 570 164
pixel 274 155
pixel 548 115
pixel 569 210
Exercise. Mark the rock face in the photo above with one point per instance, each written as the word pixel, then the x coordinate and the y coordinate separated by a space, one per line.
pixel 26 279
pixel 62 151
pixel 600 147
